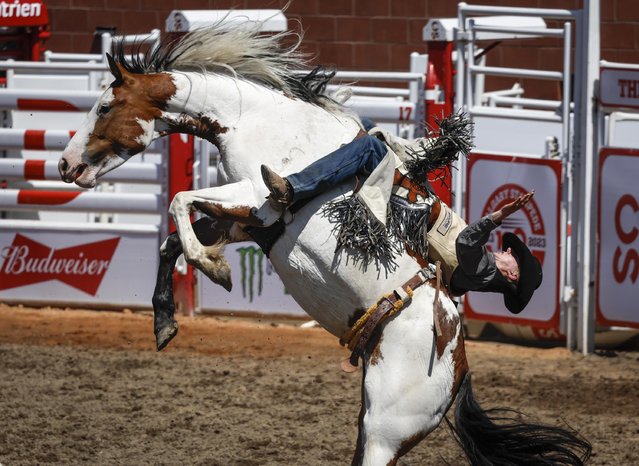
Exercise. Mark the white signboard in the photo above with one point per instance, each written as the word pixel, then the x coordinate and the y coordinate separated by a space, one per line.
pixel 256 285
pixel 619 87
pixel 65 264
pixel 618 227
pixel 494 181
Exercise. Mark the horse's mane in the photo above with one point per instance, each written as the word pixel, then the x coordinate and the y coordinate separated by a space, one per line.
pixel 240 50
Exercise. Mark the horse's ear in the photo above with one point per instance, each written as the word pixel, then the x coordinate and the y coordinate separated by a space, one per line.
pixel 115 71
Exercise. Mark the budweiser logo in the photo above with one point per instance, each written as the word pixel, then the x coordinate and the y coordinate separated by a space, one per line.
pixel 27 262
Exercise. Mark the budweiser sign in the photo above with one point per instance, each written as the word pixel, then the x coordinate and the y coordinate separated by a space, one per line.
pixel 26 262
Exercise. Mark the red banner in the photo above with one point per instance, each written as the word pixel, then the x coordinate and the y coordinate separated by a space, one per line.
pixel 26 262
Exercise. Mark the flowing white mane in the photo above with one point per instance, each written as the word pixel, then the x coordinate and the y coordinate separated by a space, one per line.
pixel 239 49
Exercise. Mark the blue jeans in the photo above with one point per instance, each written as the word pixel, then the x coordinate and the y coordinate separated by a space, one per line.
pixel 360 156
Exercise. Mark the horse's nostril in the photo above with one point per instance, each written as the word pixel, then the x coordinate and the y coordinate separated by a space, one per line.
pixel 80 170
pixel 63 165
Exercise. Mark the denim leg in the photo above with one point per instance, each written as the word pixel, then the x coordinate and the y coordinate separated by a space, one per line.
pixel 360 156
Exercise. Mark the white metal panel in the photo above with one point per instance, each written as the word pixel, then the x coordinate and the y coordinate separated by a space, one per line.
pixel 623 129
pixel 189 20
pixel 44 81
pixel 442 29
pixel 513 136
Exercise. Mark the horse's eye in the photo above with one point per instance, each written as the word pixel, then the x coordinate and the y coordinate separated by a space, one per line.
pixel 103 110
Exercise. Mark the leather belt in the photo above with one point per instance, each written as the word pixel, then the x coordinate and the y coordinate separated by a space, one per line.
pixel 384 307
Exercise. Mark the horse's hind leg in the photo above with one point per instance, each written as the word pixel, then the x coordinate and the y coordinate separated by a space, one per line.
pixel 209 233
pixel 410 381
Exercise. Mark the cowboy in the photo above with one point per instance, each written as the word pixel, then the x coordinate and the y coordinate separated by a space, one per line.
pixel 461 249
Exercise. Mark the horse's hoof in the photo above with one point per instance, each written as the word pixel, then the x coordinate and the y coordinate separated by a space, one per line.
pixel 165 335
pixel 226 284
pixel 222 279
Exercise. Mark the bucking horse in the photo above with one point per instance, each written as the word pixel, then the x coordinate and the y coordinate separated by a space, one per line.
pixel 243 92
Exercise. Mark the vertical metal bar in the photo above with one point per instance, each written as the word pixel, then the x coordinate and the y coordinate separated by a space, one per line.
pixel 586 124
pixel 458 181
pixel 566 87
pixel 566 188
pixel 106 42
pixel 470 57
pixel 479 84
pixel 460 65
pixel 573 194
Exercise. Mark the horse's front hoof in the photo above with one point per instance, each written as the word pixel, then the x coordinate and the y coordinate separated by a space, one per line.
pixel 222 278
pixel 165 335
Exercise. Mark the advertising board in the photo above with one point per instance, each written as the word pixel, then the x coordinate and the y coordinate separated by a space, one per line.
pixel 492 182
pixel 46 263
pixel 256 286
pixel 617 292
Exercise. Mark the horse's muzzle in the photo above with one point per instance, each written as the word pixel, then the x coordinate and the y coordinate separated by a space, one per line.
pixel 70 174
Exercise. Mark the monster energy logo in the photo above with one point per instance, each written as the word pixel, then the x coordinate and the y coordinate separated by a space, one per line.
pixel 251 258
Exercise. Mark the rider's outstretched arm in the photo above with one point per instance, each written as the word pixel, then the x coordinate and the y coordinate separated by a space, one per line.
pixel 512 207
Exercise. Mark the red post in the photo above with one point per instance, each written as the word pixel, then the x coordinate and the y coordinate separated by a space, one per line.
pixel 180 165
pixel 440 96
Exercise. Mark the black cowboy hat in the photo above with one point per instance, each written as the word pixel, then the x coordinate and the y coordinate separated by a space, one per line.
pixel 517 295
pixel 530 274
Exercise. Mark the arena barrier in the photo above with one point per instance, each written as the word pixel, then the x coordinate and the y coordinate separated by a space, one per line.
pixel 617 248
pixel 33 169
pixel 60 245
pixel 552 146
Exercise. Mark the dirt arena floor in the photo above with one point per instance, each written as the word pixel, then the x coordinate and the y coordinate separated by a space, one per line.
pixel 86 387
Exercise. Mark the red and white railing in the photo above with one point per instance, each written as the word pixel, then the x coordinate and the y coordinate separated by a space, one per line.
pixel 80 201
pixel 131 172
pixel 48 100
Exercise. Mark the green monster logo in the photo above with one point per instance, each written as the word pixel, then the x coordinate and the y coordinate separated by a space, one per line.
pixel 251 258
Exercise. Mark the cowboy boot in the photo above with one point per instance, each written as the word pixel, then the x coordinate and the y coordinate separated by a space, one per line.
pixel 281 192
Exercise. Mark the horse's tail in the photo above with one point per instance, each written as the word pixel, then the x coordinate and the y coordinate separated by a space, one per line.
pixel 497 437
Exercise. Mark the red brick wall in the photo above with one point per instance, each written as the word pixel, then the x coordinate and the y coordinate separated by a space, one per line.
pixel 353 34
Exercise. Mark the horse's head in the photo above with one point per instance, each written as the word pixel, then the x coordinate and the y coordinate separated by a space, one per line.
pixel 120 125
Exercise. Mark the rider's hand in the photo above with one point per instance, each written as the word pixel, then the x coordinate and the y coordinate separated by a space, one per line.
pixel 512 207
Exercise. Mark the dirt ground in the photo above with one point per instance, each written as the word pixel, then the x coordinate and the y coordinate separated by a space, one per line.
pixel 79 387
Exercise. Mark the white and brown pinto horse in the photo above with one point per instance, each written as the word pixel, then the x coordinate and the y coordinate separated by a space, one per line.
pixel 240 91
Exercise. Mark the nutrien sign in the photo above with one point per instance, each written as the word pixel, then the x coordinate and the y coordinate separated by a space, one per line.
pixel 27 262
pixel 23 13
